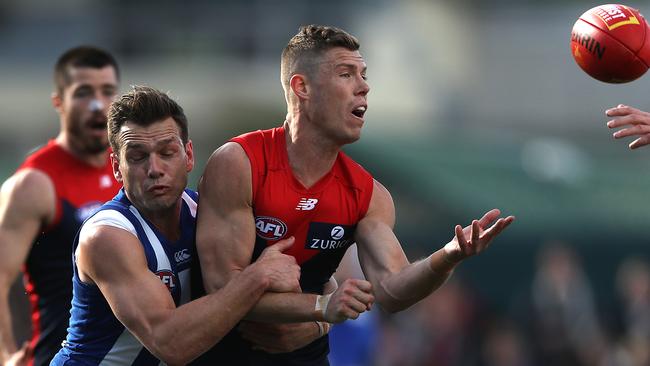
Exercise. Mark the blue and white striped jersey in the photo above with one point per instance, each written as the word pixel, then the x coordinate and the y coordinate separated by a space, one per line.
pixel 95 335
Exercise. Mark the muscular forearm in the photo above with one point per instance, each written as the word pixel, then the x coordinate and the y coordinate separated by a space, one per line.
pixel 285 308
pixel 414 282
pixel 205 321
pixel 7 342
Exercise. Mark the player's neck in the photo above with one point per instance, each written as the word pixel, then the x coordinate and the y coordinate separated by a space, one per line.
pixel 97 160
pixel 310 157
pixel 166 221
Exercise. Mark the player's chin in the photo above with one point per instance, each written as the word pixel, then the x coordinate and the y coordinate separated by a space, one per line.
pixel 96 145
pixel 354 134
pixel 349 138
pixel 159 202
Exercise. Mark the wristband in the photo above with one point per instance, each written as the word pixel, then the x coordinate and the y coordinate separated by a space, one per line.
pixel 321 303
pixel 323 328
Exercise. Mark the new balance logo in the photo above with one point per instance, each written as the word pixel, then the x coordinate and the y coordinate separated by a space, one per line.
pixel 306 204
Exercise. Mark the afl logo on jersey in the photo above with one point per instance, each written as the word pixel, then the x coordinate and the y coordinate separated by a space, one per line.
pixel 270 228
pixel 168 278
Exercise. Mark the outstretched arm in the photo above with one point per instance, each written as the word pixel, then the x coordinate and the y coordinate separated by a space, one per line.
pixel 635 122
pixel 27 203
pixel 226 238
pixel 399 284
pixel 113 259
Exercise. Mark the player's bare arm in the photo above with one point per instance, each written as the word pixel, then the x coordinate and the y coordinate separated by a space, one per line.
pixel 226 238
pixel 113 259
pixel 27 204
pixel 285 337
pixel 399 284
pixel 635 122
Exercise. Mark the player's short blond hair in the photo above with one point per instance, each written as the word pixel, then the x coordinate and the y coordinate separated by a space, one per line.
pixel 303 50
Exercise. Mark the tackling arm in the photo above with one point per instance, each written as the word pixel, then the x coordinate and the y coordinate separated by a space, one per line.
pixel 113 259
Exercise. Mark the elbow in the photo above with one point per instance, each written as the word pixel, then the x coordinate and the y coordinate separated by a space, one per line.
pixel 215 281
pixel 388 301
pixel 172 360
pixel 213 285
pixel 168 348
pixel 393 306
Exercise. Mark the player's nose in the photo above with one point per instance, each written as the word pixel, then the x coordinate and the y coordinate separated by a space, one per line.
pixel 96 105
pixel 155 167
pixel 364 87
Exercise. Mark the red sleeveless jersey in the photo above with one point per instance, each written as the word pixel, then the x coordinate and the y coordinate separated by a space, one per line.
pixel 80 189
pixel 322 218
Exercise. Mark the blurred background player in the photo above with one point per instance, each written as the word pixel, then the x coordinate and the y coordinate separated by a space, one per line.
pixel 294 180
pixel 43 204
pixel 132 258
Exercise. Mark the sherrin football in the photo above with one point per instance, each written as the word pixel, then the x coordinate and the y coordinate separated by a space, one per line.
pixel 612 43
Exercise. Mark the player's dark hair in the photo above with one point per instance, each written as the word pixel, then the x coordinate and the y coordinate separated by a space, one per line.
pixel 312 41
pixel 143 106
pixel 82 56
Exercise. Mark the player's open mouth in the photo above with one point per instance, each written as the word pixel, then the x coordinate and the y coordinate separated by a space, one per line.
pixel 360 111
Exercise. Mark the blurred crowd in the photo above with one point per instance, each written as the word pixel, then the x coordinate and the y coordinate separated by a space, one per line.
pixel 555 321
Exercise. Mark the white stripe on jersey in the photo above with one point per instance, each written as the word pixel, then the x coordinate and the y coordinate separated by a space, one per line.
pixel 190 203
pixel 161 256
pixel 108 218
pixel 124 351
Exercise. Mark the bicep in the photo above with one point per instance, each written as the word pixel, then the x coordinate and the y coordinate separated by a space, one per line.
pixel 114 260
pixel 27 202
pixel 225 222
pixel 380 253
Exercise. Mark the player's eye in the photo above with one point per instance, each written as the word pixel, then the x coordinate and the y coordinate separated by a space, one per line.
pixel 136 158
pixel 82 93
pixel 109 92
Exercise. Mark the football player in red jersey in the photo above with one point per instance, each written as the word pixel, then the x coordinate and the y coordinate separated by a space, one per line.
pixel 43 204
pixel 294 180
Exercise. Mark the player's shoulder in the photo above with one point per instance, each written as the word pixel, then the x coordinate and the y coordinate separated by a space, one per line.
pixel 113 221
pixel 352 172
pixel 351 163
pixel 106 249
pixel 258 134
pixel 256 142
pixel 28 186
pixel 229 154
pixel 44 156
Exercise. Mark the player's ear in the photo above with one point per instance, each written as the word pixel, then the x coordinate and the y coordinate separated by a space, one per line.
pixel 57 101
pixel 298 84
pixel 115 163
pixel 189 151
